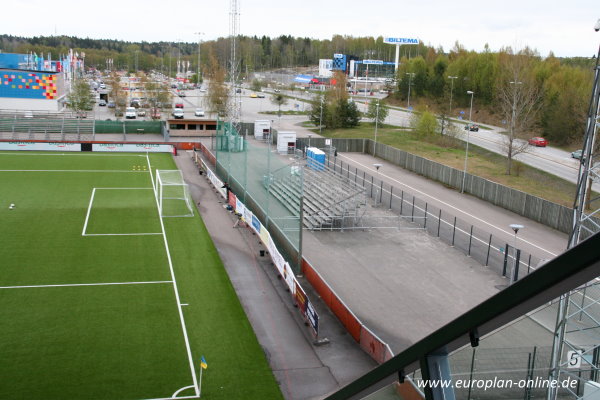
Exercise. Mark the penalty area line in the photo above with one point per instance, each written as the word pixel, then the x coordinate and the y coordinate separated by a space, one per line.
pixel 87 217
pixel 84 284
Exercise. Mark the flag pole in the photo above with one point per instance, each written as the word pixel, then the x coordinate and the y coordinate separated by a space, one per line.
pixel 200 383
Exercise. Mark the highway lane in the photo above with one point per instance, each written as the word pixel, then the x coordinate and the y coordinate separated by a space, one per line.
pixel 549 159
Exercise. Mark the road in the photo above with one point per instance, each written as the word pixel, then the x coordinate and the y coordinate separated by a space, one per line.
pixel 550 159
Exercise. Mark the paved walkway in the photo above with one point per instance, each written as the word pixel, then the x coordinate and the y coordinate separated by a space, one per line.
pixel 303 370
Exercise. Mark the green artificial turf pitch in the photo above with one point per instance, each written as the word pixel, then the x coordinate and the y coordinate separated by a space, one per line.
pixel 88 290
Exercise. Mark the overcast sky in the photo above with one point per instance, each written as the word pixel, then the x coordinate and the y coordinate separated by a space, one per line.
pixel 564 27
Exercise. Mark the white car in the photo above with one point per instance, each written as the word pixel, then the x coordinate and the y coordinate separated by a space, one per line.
pixel 199 112
pixel 130 112
pixel 178 113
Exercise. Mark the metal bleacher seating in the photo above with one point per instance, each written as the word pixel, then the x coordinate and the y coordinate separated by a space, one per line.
pixel 330 200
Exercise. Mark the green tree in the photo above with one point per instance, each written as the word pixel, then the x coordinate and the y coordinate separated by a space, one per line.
pixel 424 124
pixel 278 99
pixel 80 98
pixel 256 86
pixel 565 108
pixel 377 111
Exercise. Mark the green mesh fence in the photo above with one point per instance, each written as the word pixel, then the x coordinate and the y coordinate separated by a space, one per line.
pixel 129 126
pixel 268 183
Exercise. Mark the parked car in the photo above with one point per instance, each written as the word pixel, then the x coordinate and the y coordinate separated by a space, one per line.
pixel 178 105
pixel 538 142
pixel 111 104
pixel 130 113
pixel 178 113
pixel 181 94
pixel 199 112
pixel 472 127
pixel 238 90
pixel 141 112
pixel 155 114
pixel 253 95
pixel 261 95
pixel 577 154
pixel 102 103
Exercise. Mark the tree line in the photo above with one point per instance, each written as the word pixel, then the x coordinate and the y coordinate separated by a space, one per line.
pixel 564 84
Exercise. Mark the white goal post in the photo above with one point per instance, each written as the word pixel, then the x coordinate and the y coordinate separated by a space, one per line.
pixel 173 194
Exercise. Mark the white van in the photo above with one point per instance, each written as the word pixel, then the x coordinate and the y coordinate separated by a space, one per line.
pixel 130 113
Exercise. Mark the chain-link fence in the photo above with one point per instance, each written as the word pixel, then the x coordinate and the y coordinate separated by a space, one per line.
pixel 249 168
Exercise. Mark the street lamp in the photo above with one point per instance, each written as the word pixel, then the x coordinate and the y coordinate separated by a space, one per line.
pixel 378 192
pixel 198 73
pixel 462 190
pixel 321 117
pixel 452 78
pixel 376 121
pixel 309 136
pixel 410 76
pixel 515 228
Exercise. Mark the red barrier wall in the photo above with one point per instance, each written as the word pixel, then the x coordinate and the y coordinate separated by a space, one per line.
pixel 373 346
pixel 334 304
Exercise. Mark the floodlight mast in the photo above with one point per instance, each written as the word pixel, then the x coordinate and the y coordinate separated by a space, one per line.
pixel 583 226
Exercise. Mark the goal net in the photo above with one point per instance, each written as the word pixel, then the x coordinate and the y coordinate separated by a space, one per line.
pixel 173 194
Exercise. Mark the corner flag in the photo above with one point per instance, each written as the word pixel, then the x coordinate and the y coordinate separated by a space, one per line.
pixel 203 363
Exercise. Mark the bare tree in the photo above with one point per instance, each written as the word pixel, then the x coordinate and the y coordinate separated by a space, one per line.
pixel 520 100
pixel 218 94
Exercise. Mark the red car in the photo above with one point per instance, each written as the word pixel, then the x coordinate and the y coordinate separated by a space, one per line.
pixel 178 105
pixel 538 142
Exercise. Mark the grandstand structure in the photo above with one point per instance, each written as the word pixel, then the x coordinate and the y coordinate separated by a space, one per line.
pixel 46 125
pixel 331 200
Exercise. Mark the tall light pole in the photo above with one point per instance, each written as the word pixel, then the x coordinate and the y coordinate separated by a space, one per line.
pixel 376 121
pixel 410 76
pixel 462 190
pixel 198 73
pixel 452 78
pixel 320 118
pixel 515 228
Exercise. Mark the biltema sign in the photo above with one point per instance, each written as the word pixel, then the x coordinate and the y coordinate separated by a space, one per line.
pixel 338 56
pixel 391 40
pixel 376 62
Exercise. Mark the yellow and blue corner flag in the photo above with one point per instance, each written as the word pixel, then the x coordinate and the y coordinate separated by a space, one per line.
pixel 203 363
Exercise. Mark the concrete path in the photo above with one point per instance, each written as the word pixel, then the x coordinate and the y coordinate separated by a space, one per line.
pixel 303 370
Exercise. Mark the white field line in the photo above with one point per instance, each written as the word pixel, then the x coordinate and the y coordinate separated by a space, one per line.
pixel 113 234
pixel 88 212
pixel 181 390
pixel 172 398
pixel 71 170
pixel 84 284
pixel 124 188
pixel 183 327
pixel 450 206
pixel 122 234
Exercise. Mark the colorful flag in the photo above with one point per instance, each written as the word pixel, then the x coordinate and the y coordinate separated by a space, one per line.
pixel 203 363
